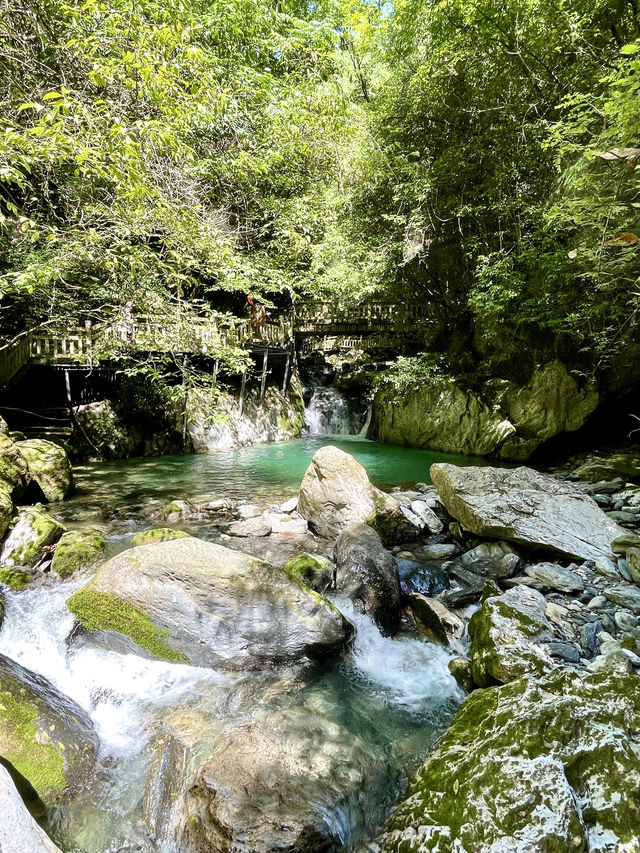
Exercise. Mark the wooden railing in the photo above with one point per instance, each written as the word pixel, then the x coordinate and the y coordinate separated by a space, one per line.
pixel 371 324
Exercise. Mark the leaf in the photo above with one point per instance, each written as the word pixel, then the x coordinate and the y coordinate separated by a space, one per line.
pixel 630 154
pixel 456 786
pixel 625 238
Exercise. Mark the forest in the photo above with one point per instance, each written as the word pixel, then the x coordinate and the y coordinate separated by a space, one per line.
pixel 480 158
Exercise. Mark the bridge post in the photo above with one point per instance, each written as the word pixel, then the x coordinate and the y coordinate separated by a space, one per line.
pixel 287 367
pixel 242 389
pixel 263 381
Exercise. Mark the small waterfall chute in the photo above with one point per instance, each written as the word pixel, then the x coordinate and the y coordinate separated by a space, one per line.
pixel 331 412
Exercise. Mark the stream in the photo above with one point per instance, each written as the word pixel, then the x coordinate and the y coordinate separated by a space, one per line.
pixel 394 695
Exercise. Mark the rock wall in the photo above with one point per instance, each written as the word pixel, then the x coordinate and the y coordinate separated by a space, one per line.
pixel 504 420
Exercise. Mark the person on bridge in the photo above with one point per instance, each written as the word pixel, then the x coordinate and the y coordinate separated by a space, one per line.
pixel 257 314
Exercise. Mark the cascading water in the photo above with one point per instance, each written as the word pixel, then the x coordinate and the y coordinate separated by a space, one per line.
pixel 331 412
pixel 393 695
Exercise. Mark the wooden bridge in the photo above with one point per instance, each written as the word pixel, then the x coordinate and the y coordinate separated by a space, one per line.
pixel 311 326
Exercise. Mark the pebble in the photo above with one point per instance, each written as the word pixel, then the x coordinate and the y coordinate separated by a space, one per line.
pixel 564 651
pixel 597 603
pixel 555 612
pixel 604 566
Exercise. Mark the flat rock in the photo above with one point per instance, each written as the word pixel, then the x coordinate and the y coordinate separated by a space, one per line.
pixel 286 523
pixel 626 540
pixel 625 596
pixel 492 560
pixel 260 526
pixel 526 507
pixel 336 492
pixel 434 621
pixel 556 577
pixel 195 602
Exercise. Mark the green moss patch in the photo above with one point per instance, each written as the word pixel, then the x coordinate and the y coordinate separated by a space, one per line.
pixel 77 549
pixel 158 534
pixel 313 571
pixel 101 611
pixel 16 581
pixel 29 750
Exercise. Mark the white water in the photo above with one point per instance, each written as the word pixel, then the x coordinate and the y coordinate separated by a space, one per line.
pixel 118 691
pixel 410 672
pixel 330 412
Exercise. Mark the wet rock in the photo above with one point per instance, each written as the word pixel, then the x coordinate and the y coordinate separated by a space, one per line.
pixel 287 781
pixel 77 549
pixel 434 621
pixel 33 532
pixel 368 574
pixel 49 467
pixel 556 577
pixel 177 509
pixel 282 522
pixel 618 465
pixel 250 527
pixel 248 511
pixel 194 602
pixel 548 765
pixel 312 570
pixel 426 577
pixel 157 534
pixel 47 737
pixel 506 634
pixel 460 669
pixel 19 833
pixel 492 560
pixel 427 516
pixel 336 492
pixel 526 507
pixel 165 781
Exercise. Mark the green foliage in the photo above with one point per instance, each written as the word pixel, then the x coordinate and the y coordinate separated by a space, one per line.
pixel 410 373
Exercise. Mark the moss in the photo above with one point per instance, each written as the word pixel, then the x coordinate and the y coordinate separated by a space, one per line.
pixel 169 509
pixel 101 611
pixel 45 531
pixel 312 571
pixel 22 745
pixel 16 581
pixel 629 643
pixel 77 549
pixel 158 534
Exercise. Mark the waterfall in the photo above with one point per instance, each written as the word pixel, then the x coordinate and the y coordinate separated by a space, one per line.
pixel 331 412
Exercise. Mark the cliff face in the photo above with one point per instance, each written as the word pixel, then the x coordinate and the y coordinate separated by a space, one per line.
pixel 504 419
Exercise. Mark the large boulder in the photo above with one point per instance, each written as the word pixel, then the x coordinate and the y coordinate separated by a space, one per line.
pixel 44 735
pixel 13 479
pixel 195 602
pixel 19 833
pixel 336 492
pixel 34 531
pixel 506 634
pixel 368 574
pixel 533 767
pixel 523 506
pixel 49 467
pixel 289 780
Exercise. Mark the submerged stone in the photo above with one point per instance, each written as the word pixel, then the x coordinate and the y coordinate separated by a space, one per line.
pixel 158 534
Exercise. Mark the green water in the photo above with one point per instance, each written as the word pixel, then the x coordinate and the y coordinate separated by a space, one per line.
pixel 268 472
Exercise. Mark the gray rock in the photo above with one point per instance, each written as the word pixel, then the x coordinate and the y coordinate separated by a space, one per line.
pixel 194 602
pixel 563 745
pixel 526 507
pixel 283 782
pixel 506 636
pixel 623 568
pixel 556 577
pixel 427 516
pixel 336 492
pixel 564 651
pixel 589 638
pixel 368 574
pixel 19 833
pixel 260 526
pixel 248 511
pixel 625 621
pixel 434 621
pixel 492 560
pixel 165 781
pixel 439 551
pixel 604 566
pixel 283 522
pixel 625 596
pixel 597 602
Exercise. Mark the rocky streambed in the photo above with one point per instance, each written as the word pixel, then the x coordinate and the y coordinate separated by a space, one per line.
pixel 251 677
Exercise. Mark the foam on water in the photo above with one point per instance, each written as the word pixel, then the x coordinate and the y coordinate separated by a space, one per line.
pixel 410 672
pixel 119 691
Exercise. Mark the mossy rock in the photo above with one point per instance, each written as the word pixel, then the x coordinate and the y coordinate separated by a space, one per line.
pixel 77 549
pixel 15 580
pixel 99 611
pixel 49 467
pixel 33 532
pixel 312 570
pixel 13 467
pixel 552 761
pixel 47 737
pixel 158 534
